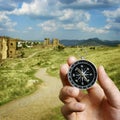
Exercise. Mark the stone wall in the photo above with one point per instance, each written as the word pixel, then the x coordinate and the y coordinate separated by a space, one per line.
pixel 3 48
pixel 53 43
pixel 7 47
pixel 46 42
pixel 12 48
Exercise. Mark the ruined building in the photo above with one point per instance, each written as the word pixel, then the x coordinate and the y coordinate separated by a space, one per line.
pixel 3 48
pixel 46 42
pixel 12 46
pixel 8 47
pixel 53 43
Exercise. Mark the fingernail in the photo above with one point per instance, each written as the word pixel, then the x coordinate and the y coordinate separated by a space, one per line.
pixel 70 90
pixel 101 66
pixel 73 91
pixel 64 67
pixel 80 106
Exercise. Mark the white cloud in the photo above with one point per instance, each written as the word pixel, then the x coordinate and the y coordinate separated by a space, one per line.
pixel 3 17
pixel 113 19
pixel 85 27
pixel 97 2
pixel 49 26
pixel 79 15
pixel 112 14
pixel 67 14
pixel 87 1
pixel 6 23
pixel 36 7
pixel 90 4
pixel 29 28
pixel 8 5
pixel 111 1
pixel 69 26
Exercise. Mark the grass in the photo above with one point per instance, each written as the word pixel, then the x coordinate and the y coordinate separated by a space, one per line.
pixel 55 114
pixel 14 77
pixel 109 57
pixel 15 73
pixel 13 84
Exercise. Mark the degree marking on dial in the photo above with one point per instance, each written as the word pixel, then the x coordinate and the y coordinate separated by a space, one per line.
pixel 73 75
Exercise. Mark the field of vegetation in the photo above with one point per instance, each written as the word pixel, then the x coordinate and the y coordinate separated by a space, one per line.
pixel 15 74
pixel 109 57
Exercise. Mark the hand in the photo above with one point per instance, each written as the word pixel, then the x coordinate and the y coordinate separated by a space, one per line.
pixel 101 102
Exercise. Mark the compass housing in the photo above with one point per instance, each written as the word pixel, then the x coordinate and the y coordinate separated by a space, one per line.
pixel 82 74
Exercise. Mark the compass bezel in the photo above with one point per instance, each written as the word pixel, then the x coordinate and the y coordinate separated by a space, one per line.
pixel 82 62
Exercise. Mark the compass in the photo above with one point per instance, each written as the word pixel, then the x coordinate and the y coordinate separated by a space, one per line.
pixel 82 74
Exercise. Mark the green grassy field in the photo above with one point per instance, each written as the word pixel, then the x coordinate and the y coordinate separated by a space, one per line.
pixel 15 73
pixel 109 57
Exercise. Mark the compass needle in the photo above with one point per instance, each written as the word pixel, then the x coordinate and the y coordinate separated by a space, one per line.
pixel 82 74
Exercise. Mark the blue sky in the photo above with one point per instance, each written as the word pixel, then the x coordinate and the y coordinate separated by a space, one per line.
pixel 62 19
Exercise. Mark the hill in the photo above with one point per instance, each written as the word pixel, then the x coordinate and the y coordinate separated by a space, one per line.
pixel 89 42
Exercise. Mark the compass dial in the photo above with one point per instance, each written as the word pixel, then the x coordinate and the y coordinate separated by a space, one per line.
pixel 82 74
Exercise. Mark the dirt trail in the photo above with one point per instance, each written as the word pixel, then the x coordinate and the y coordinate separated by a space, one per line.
pixel 34 106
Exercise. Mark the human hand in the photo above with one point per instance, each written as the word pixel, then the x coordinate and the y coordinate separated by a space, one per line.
pixel 100 102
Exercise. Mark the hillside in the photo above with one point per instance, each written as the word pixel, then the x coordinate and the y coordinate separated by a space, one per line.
pixel 90 42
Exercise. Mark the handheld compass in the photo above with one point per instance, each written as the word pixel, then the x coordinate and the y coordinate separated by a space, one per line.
pixel 82 74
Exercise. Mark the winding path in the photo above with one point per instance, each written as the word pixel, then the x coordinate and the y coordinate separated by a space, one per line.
pixel 36 105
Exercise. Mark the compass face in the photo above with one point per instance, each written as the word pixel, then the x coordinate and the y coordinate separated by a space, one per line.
pixel 82 74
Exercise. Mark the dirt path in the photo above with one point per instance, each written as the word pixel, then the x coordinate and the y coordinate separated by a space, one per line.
pixel 34 106
pixel 32 55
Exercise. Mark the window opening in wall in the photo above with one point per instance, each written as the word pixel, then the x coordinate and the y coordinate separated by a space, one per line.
pixel 11 44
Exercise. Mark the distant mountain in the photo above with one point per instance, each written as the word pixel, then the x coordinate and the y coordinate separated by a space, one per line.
pixel 89 42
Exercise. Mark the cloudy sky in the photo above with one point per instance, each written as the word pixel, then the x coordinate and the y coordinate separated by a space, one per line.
pixel 63 19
